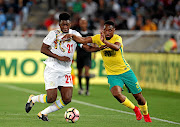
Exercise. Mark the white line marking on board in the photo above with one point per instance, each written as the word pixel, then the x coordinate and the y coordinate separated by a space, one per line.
pixel 83 103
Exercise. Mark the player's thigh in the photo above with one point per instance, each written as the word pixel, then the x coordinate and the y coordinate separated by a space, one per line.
pixel 115 80
pixel 131 82
pixel 66 93
pixel 116 90
pixel 50 78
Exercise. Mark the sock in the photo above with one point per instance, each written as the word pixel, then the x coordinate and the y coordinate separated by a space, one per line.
pixel 59 104
pixel 144 109
pixel 128 103
pixel 40 98
pixel 87 83
pixel 80 84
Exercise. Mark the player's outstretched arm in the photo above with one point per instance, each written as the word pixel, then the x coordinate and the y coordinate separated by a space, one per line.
pixel 92 48
pixel 83 40
pixel 45 50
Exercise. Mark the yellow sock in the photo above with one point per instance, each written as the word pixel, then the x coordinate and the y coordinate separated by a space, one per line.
pixel 128 103
pixel 144 108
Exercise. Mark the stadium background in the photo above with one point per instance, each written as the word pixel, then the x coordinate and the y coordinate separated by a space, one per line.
pixel 146 27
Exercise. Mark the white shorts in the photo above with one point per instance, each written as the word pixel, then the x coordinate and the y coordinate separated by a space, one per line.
pixel 54 78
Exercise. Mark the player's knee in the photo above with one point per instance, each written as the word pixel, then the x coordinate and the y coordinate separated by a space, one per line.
pixel 140 99
pixel 116 94
pixel 66 100
pixel 51 99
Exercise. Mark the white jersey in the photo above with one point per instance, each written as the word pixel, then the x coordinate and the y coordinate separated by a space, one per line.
pixel 59 48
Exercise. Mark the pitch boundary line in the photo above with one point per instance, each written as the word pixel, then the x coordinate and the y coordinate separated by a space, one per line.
pixel 83 103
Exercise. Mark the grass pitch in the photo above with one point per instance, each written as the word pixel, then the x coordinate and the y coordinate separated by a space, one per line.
pixel 99 109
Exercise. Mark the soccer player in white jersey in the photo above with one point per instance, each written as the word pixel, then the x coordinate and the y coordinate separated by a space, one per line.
pixel 57 73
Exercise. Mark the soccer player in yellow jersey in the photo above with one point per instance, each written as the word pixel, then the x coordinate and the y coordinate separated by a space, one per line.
pixel 117 69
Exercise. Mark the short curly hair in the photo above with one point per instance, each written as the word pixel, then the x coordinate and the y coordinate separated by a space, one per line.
pixel 64 16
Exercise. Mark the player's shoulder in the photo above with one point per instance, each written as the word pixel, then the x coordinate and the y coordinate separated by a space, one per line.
pixel 97 35
pixel 117 36
pixel 74 32
pixel 55 32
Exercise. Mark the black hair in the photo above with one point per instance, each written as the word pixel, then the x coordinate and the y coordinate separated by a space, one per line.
pixel 64 16
pixel 109 22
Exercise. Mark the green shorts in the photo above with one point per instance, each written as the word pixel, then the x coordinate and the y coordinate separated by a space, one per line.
pixel 128 78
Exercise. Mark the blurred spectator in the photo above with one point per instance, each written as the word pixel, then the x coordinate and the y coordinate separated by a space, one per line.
pixel 28 30
pixel 170 45
pixel 101 9
pixel 2 22
pixel 90 8
pixel 131 20
pixel 115 6
pixel 165 23
pixel 139 23
pixel 10 19
pixel 125 13
pixel 63 5
pixel 14 5
pixel 55 24
pixel 3 6
pixel 50 19
pixel 176 21
pixel 177 7
pixel 77 6
pixel 41 26
pixel 149 25
pixel 25 8
pixel 52 4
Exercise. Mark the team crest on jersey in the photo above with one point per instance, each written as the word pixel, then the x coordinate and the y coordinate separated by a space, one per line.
pixel 52 83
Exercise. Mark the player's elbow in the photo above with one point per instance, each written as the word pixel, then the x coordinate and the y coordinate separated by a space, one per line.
pixel 42 51
pixel 116 49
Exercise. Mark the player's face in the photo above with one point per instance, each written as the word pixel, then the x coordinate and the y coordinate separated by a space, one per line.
pixel 108 31
pixel 65 25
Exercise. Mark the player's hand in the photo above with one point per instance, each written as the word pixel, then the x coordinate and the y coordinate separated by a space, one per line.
pixel 102 36
pixel 67 37
pixel 64 58
pixel 103 47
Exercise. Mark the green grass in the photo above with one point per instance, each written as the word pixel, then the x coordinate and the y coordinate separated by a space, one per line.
pixel 163 105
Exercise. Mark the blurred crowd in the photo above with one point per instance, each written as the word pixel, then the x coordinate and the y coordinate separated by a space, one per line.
pixel 13 13
pixel 127 14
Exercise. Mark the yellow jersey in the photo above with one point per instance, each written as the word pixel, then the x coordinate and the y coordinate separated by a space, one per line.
pixel 114 61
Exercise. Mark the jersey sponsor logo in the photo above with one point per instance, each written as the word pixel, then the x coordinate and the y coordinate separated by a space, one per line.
pixel 109 53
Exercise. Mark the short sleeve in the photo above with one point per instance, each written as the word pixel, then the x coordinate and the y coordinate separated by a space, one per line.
pixel 96 39
pixel 78 34
pixel 50 38
pixel 118 39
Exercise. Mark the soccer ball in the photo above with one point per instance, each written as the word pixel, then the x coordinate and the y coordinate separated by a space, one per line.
pixel 71 115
